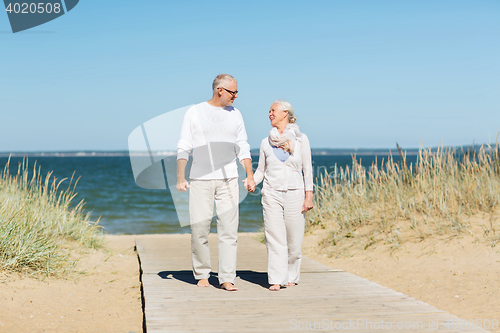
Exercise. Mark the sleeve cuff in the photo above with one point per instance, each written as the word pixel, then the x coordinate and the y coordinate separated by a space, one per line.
pixel 182 155
pixel 244 156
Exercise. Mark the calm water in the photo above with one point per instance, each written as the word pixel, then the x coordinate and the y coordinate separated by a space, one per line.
pixel 107 185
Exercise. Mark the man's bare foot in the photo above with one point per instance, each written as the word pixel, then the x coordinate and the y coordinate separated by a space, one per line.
pixel 203 283
pixel 291 284
pixel 275 287
pixel 228 286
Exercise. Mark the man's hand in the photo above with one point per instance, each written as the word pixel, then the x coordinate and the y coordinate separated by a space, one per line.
pixel 182 185
pixel 308 202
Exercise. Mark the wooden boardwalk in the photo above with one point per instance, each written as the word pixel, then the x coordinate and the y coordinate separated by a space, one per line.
pixel 326 300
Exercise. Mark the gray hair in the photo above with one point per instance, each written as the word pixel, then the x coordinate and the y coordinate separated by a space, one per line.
pixel 219 79
pixel 285 106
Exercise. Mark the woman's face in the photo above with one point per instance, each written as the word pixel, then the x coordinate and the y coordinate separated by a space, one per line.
pixel 277 116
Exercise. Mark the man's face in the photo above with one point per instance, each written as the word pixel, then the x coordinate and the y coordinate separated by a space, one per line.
pixel 228 97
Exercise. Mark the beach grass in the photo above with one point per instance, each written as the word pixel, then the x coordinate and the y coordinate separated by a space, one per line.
pixel 39 228
pixel 446 192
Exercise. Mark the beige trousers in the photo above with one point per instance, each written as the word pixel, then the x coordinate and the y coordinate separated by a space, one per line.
pixel 284 231
pixel 202 194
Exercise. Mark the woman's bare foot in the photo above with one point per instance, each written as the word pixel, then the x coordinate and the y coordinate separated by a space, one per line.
pixel 291 284
pixel 275 287
pixel 228 286
pixel 203 283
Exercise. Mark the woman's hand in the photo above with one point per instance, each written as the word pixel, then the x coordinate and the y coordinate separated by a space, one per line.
pixel 308 202
pixel 249 184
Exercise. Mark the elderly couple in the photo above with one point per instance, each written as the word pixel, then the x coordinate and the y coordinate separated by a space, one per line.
pixel 215 134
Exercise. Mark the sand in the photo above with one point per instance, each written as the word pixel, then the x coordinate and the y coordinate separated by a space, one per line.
pixel 105 299
pixel 455 274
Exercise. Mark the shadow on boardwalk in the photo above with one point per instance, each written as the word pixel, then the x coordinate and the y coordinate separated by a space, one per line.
pixel 258 278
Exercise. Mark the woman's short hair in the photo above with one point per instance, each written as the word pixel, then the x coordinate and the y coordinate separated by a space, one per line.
pixel 221 78
pixel 285 106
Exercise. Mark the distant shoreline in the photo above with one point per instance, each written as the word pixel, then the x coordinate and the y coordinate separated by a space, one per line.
pixel 166 153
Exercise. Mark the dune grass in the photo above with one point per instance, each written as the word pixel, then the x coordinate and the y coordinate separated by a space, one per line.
pixel 443 193
pixel 39 228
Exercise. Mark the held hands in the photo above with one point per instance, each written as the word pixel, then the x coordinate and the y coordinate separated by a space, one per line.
pixel 249 184
pixel 182 185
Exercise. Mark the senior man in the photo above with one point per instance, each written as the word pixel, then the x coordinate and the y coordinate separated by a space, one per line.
pixel 215 134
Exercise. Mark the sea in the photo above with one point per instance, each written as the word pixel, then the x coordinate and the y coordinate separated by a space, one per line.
pixel 108 188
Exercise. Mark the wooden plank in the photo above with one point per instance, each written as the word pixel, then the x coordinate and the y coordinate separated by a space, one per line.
pixel 325 296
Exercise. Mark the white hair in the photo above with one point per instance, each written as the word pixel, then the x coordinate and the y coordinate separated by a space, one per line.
pixel 221 78
pixel 285 106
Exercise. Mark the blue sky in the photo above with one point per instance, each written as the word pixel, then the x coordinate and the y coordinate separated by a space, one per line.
pixel 359 74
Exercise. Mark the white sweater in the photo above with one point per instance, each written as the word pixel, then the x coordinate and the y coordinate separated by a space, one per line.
pixel 294 173
pixel 215 136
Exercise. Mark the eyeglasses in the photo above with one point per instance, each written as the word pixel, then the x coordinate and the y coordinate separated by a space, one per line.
pixel 229 91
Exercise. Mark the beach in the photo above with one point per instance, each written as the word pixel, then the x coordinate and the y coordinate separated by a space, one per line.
pixel 107 110
pixel 455 274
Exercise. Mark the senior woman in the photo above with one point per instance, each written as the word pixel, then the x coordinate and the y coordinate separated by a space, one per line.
pixel 286 168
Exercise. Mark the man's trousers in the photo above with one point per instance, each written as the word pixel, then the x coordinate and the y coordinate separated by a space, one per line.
pixel 202 194
pixel 284 230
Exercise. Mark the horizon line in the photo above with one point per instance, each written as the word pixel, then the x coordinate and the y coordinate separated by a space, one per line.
pixel 315 151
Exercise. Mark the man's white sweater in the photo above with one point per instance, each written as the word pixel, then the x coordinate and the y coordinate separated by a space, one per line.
pixel 215 136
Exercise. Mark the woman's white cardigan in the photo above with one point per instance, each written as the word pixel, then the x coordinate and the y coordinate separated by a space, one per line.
pixel 294 173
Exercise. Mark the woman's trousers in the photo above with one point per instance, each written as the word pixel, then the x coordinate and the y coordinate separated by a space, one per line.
pixel 284 231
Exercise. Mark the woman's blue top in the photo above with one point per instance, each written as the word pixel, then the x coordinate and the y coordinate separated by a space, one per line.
pixel 281 154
